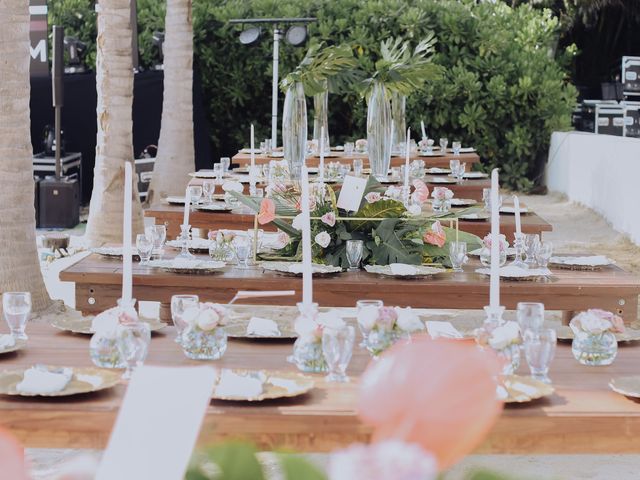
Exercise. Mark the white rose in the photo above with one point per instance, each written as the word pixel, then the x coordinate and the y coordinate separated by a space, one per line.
pixel 190 316
pixel 323 239
pixel 307 330
pixel 208 319
pixel 504 335
pixel 297 222
pixel 414 209
pixel 590 322
pixel 408 321
pixel 331 319
pixel 106 323
pixel 367 317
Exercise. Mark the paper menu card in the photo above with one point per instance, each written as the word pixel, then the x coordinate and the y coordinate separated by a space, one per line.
pixel 351 193
pixel 158 423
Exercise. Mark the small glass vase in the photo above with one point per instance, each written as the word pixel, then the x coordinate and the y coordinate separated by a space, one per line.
pixel 377 341
pixel 379 131
pixel 220 251
pixel 595 349
pixel 509 354
pixel 307 350
pixel 204 344
pixel 398 109
pixel 103 347
pixel 485 256
pixel 320 117
pixel 294 127
pixel 441 206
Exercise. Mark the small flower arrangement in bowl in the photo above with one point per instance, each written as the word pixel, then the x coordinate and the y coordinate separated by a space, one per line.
pixel 485 252
pixel 220 246
pixel 594 341
pixel 505 341
pixel 204 337
pixel 441 199
pixel 309 325
pixel 382 326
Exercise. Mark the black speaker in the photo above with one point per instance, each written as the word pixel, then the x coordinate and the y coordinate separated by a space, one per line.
pixel 57 66
pixel 58 202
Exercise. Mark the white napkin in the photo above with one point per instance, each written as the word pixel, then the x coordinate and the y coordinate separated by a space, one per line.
pixel 7 341
pixel 439 329
pixel 521 387
pixel 94 380
pixel 36 380
pixel 263 326
pixel 288 385
pixel 296 268
pixel 234 385
pixel 402 269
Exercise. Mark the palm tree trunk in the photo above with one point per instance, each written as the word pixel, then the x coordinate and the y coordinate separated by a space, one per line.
pixel 19 265
pixel 114 146
pixel 176 157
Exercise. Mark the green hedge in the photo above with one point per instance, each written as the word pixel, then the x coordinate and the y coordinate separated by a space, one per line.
pixel 504 90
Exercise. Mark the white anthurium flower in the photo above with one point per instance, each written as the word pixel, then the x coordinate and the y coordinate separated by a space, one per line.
pixel 589 322
pixel 297 222
pixel 190 316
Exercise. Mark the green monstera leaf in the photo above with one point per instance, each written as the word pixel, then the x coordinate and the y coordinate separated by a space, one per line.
pixel 391 243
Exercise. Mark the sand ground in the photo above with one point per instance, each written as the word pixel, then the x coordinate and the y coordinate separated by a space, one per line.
pixel 575 229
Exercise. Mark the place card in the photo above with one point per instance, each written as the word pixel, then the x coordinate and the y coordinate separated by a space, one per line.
pixel 158 424
pixel 351 193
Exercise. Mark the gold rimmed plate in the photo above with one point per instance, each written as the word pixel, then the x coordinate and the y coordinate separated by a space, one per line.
pixel 84 380
pixel 474 217
pixel 521 389
pixel 295 268
pixel 629 386
pixel 565 334
pixel 18 345
pixel 275 385
pixel 239 321
pixel 418 271
pixel 189 267
pixel 197 245
pixel 114 253
pixel 83 325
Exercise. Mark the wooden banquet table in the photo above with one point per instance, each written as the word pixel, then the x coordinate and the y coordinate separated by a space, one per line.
pixel 244 159
pixel 98 286
pixel 582 416
pixel 171 217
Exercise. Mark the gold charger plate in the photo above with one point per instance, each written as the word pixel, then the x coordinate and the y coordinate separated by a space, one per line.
pixel 10 378
pixel 283 268
pixel 83 325
pixel 512 385
pixel 628 386
pixel 564 333
pixel 239 321
pixel 422 271
pixel 301 384
pixel 16 346
pixel 199 246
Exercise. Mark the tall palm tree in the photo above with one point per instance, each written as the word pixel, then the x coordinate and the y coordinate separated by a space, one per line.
pixel 19 265
pixel 114 146
pixel 175 159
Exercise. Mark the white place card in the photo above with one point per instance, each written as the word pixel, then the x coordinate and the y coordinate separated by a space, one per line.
pixel 351 193
pixel 158 424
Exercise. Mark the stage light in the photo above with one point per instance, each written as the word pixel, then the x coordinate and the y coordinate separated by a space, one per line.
pixel 250 35
pixel 76 51
pixel 296 35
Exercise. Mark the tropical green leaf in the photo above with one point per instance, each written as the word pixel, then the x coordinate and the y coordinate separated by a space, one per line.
pixel 294 467
pixel 391 245
pixel 231 461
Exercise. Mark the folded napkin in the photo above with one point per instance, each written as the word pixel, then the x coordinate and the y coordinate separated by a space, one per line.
pixel 402 269
pixel 439 329
pixel 38 381
pixel 591 260
pixel 94 380
pixel 234 385
pixel 288 385
pixel 7 341
pixel 263 326
pixel 521 387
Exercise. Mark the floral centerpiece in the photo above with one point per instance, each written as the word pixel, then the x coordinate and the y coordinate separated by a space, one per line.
pixel 309 325
pixel 220 247
pixel 204 337
pixel 382 326
pixel 391 234
pixel 505 341
pixel 103 347
pixel 485 253
pixel 441 199
pixel 594 341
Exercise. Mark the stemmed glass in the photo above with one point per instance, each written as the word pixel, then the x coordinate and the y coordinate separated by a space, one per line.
pixel 159 235
pixel 226 163
pixel 242 247
pixel 456 146
pixel 361 308
pixel 460 172
pixel 337 348
pixel 443 145
pixel 518 244
pixel 458 255
pixel 218 173
pixel 530 315
pixel 543 255
pixel 16 307
pixel 354 254
pixel 208 189
pixel 357 166
pixel 180 303
pixel 531 246
pixel 454 165
pixel 195 193
pixel 539 350
pixel 144 244
pixel 133 345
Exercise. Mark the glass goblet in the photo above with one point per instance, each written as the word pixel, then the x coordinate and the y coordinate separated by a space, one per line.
pixel 226 163
pixel 208 189
pixel 454 166
pixel 242 248
pixel 158 233
pixel 337 348
pixel 545 250
pixel 530 315
pixel 358 165
pixel 456 146
pixel 364 310
pixel 195 193
pixel 16 307
pixel 539 350
pixel 458 255
pixel 443 145
pixel 133 345
pixel 531 246
pixel 144 244
pixel 460 172
pixel 349 148
pixel 354 251
pixel 180 303
pixel 218 173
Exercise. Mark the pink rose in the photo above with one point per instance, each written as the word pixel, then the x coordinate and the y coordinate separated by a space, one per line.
pixel 212 235
pixel 372 197
pixel 329 218
pixel 283 238
pixel 435 235
pixel 503 245
pixel 387 317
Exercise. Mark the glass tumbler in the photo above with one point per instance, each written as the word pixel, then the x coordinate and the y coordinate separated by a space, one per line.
pixel 539 350
pixel 16 307
pixel 357 166
pixel 530 316
pixel 456 146
pixel 242 246
pixel 180 303
pixel 158 233
pixel 337 348
pixel 133 345
pixel 208 189
pixel 543 255
pixel 531 246
pixel 443 145
pixel 458 255
pixel 144 244
pixel 195 193
pixel 354 254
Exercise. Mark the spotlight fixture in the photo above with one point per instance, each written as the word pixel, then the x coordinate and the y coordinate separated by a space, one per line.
pixel 76 51
pixel 157 39
pixel 296 35
pixel 250 35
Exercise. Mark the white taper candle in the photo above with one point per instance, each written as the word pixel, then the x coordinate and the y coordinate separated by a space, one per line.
pixel 127 253
pixel 516 208
pixel 494 289
pixel 307 271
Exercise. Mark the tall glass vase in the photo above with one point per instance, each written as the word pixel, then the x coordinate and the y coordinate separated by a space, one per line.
pixel 398 114
pixel 321 117
pixel 294 128
pixel 379 131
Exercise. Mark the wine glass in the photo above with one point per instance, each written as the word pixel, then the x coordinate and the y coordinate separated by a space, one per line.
pixel 543 255
pixel 354 254
pixel 133 345
pixel 460 172
pixel 226 163
pixel 195 193
pixel 16 307
pixel 158 233
pixel 531 246
pixel 539 350
pixel 208 189
pixel 337 348
pixel 443 145
pixel 144 244
pixel 358 165
pixel 218 173
pixel 180 303
pixel 456 146
pixel 454 165
pixel 530 315
pixel 458 255
pixel 242 247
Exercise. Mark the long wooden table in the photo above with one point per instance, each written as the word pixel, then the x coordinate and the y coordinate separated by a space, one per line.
pixel 243 159
pixel 582 416
pixel 171 216
pixel 98 286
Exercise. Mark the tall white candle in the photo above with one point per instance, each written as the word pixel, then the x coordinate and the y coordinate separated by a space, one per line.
pixel 516 208
pixel 187 206
pixel 392 135
pixel 253 155
pixel 406 162
pixel 307 271
pixel 494 289
pixel 321 168
pixel 127 275
pixel 424 131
